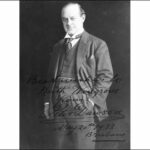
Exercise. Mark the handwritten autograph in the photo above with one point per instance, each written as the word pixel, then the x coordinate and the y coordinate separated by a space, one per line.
pixel 34 79
pixel 46 90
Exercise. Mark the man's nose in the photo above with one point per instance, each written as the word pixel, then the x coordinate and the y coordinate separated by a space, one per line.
pixel 69 22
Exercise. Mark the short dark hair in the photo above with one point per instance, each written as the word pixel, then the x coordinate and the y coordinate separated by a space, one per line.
pixel 74 3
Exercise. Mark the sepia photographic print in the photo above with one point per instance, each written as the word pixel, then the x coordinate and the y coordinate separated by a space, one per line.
pixel 74 74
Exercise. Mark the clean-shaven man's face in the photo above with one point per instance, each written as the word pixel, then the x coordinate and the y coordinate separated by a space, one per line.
pixel 72 19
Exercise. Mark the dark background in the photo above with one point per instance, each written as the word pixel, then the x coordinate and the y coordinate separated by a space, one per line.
pixel 40 29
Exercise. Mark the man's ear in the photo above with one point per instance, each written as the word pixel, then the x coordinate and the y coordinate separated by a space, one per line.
pixel 83 17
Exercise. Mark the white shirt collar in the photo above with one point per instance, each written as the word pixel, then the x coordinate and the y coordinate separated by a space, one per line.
pixel 79 32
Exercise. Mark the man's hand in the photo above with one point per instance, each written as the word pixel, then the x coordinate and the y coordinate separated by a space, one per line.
pixel 47 110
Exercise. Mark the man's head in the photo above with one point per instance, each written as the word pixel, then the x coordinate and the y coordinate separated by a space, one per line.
pixel 73 17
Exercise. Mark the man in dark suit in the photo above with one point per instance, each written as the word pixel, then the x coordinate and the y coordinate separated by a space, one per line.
pixel 80 76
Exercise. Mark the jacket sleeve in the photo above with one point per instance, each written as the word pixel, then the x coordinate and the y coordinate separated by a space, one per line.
pixel 104 72
pixel 47 93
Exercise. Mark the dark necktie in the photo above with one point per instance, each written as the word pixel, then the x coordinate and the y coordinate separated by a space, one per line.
pixel 68 44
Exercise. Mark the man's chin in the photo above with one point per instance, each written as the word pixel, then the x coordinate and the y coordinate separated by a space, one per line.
pixel 71 32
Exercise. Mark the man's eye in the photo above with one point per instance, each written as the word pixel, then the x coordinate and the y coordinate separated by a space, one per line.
pixel 73 19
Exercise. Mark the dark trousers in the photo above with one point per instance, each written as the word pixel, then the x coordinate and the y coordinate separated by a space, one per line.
pixel 73 126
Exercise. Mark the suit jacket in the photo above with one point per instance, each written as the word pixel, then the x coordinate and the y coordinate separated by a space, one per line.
pixel 93 70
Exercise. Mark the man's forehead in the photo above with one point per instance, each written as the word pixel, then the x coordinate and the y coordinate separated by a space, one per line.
pixel 71 10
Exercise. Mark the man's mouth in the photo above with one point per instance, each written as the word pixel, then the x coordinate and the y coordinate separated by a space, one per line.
pixel 69 28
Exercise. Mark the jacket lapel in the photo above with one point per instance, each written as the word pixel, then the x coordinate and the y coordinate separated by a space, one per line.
pixel 61 58
pixel 81 51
